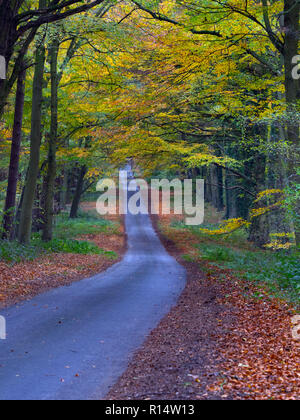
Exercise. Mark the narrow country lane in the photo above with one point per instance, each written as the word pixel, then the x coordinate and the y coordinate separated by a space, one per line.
pixel 74 342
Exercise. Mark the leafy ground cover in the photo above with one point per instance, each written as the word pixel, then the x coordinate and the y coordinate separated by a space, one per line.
pixel 277 272
pixel 65 239
pixel 260 358
pixel 230 335
pixel 80 248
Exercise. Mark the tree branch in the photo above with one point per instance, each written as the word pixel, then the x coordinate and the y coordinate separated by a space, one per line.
pixel 50 18
pixel 239 174
pixel 263 61
pixel 160 17
pixel 274 39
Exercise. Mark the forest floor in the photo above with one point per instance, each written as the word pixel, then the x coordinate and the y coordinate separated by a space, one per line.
pixel 229 336
pixel 91 246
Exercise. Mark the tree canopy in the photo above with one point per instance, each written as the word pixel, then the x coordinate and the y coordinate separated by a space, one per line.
pixel 188 88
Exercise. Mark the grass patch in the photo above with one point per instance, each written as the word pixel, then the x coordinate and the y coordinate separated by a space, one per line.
pixel 217 253
pixel 64 239
pixel 237 238
pixel 13 252
pixel 278 270
pixel 85 224
pixel 72 246
pixel 188 258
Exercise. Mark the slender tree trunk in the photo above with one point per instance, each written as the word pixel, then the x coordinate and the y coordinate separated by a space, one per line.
pixel 78 193
pixel 64 196
pixel 292 89
pixel 18 213
pixel 231 196
pixel 10 203
pixel 216 179
pixel 220 203
pixel 292 86
pixel 51 170
pixel 35 143
pixel 279 220
pixel 7 32
pixel 259 229
pixel 64 191
pixel 260 226
pixel 208 188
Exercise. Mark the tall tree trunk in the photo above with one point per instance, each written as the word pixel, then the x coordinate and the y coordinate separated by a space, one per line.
pixel 259 229
pixel 214 186
pixel 220 203
pixel 292 88
pixel 8 42
pixel 208 187
pixel 260 226
pixel 231 195
pixel 216 179
pixel 35 143
pixel 51 169
pixel 280 222
pixel 10 203
pixel 64 190
pixel 64 196
pixel 7 33
pixel 78 193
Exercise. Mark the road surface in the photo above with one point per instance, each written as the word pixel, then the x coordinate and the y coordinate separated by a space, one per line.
pixel 73 342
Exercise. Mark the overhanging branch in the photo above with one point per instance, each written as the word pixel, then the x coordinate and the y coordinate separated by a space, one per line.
pixel 163 18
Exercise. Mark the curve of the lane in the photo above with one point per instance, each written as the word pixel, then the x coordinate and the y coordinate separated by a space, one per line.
pixel 74 342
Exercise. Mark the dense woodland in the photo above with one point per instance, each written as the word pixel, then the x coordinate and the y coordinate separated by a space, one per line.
pixel 197 88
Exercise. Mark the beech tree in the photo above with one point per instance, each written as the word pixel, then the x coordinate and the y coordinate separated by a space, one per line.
pixel 19 23
pixel 200 90
pixel 10 203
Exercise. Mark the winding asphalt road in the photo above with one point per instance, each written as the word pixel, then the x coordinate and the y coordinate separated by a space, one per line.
pixel 73 343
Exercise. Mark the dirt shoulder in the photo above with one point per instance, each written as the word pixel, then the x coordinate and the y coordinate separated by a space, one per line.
pixel 24 280
pixel 223 340
pixel 180 358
